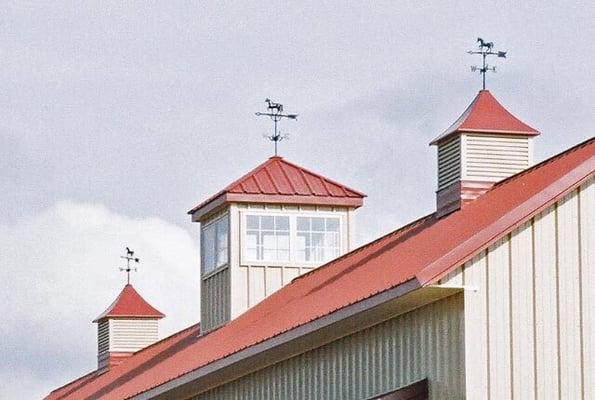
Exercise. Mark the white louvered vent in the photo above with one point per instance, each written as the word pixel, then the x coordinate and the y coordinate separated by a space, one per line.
pixel 103 337
pixel 449 162
pixel 129 335
pixel 493 158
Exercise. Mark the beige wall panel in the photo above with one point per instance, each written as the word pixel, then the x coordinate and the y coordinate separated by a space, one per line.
pixel 522 315
pixel 256 284
pixel 546 306
pixel 587 248
pixel 533 307
pixel 476 323
pixel 499 339
pixel 569 298
pixel 290 273
pixel 274 279
pixel 426 342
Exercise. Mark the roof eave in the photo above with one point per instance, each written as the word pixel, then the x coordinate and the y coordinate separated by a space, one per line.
pixel 104 317
pixel 445 136
pixel 506 224
pixel 367 312
pixel 198 213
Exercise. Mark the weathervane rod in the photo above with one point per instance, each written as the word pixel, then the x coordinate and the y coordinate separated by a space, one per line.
pixel 129 257
pixel 275 112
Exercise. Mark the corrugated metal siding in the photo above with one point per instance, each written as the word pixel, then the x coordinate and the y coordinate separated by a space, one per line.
pixel 426 342
pixel 103 337
pixel 128 335
pixel 529 327
pixel 449 162
pixel 493 158
pixel 215 293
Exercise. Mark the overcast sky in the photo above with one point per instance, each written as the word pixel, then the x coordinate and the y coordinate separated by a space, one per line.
pixel 116 119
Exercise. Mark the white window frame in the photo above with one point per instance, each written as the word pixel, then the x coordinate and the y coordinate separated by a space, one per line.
pixel 217 268
pixel 292 235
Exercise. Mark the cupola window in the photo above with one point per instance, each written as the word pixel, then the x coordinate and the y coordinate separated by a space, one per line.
pixel 215 244
pixel 267 237
pixel 291 238
pixel 317 239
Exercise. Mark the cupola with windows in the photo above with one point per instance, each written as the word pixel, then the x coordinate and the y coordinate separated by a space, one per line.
pixel 266 228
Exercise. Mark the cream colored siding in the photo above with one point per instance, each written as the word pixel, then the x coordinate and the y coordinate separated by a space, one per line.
pixel 426 342
pixel 493 158
pixel 215 297
pixel 587 274
pixel 449 162
pixel 529 323
pixel 129 335
pixel 261 281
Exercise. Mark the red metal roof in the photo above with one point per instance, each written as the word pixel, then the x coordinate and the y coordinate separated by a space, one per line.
pixel 421 252
pixel 130 304
pixel 486 115
pixel 154 352
pixel 279 181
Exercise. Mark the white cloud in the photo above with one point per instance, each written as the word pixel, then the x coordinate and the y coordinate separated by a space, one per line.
pixel 59 270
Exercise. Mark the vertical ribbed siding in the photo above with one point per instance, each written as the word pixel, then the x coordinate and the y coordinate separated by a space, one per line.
pixel 529 326
pixel 215 292
pixel 263 280
pixel 103 337
pixel 449 162
pixel 493 158
pixel 426 342
pixel 130 335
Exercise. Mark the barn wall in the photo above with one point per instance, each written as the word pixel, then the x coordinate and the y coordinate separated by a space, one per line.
pixel 426 342
pixel 529 326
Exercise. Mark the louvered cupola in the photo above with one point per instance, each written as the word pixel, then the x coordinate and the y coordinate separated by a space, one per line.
pixel 129 324
pixel 273 224
pixel 484 146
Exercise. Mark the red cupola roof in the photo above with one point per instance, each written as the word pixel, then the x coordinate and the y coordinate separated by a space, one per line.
pixel 486 115
pixel 130 304
pixel 279 181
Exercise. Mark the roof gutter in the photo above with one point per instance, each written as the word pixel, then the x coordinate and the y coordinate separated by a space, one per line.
pixel 350 319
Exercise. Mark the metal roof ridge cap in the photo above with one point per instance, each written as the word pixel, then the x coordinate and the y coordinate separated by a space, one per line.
pixel 433 271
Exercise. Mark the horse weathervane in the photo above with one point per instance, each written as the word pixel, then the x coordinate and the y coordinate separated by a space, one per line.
pixel 275 112
pixel 129 257
pixel 485 49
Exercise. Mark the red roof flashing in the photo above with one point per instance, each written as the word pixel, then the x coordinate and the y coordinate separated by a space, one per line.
pixel 130 304
pixel 279 181
pixel 486 115
pixel 421 252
